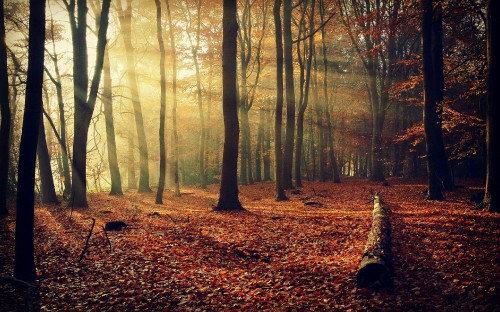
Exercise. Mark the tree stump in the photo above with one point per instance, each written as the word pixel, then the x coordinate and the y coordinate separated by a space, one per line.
pixel 375 269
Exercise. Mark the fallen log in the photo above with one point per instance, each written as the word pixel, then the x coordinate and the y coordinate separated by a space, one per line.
pixel 375 269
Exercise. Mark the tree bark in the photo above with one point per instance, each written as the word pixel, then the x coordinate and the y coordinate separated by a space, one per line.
pixel 259 147
pixel 46 179
pixel 492 189
pixel 24 263
pixel 175 138
pixel 266 157
pixel 305 99
pixel 163 95
pixel 375 269
pixel 278 153
pixel 228 197
pixel 125 17
pixel 107 101
pixel 290 94
pixel 432 111
pixel 6 116
pixel 84 107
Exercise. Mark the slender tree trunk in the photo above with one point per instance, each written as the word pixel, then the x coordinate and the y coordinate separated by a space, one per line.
pixel 57 81
pixel 125 17
pixel 329 135
pixel 290 95
pixel 266 157
pixel 46 179
pixel 116 180
pixel 131 181
pixel 6 116
pixel 278 153
pixel 259 147
pixel 305 100
pixel 444 170
pixel 24 263
pixel 163 156
pixel 490 201
pixel 175 137
pixel 228 197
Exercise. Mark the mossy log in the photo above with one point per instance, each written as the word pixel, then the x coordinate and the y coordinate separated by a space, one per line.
pixel 375 269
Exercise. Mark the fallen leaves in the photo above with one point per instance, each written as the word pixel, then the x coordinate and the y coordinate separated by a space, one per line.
pixel 277 256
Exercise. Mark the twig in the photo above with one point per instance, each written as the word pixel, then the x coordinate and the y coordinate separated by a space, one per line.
pixel 107 237
pixel 87 240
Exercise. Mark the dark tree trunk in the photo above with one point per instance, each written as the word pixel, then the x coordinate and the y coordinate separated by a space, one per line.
pixel 228 197
pixel 84 107
pixel 107 101
pixel 290 94
pixel 125 17
pixel 278 153
pixel 490 201
pixel 175 138
pixel 6 117
pixel 305 100
pixel 436 158
pixel 163 156
pixel 46 179
pixel 24 263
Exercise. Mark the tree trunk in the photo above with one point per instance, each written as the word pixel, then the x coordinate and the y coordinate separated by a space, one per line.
pixel 432 118
pixel 266 156
pixel 62 120
pixel 84 107
pixel 243 146
pixel 290 94
pixel 490 201
pixel 116 180
pixel 305 100
pixel 163 160
pixel 329 134
pixel 175 137
pixel 375 269
pixel 278 153
pixel 6 116
pixel 125 17
pixel 259 147
pixel 24 263
pixel 131 181
pixel 46 179
pixel 228 197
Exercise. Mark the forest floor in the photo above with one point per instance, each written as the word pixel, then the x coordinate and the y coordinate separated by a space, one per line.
pixel 280 256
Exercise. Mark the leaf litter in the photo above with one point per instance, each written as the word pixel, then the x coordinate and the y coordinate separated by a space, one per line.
pixel 279 256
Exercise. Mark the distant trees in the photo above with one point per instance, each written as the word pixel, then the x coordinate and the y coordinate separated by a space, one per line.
pixel 24 265
pixel 125 17
pixel 228 197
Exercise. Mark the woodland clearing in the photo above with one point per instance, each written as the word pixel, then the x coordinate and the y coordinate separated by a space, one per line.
pixel 295 255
